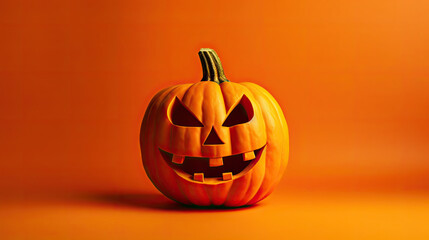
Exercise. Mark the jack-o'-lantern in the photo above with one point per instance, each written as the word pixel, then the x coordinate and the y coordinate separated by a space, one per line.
pixel 214 142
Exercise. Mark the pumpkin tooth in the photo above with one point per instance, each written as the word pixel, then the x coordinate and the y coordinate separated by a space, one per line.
pixel 249 156
pixel 178 159
pixel 199 177
pixel 216 162
pixel 227 176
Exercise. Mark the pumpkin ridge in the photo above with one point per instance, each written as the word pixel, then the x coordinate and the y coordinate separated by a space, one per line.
pixel 248 196
pixel 184 95
pixel 280 118
pixel 252 196
pixel 146 120
pixel 260 194
pixel 246 133
pixel 158 108
pixel 264 191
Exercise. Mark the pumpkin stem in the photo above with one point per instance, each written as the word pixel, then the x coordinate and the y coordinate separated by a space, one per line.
pixel 212 68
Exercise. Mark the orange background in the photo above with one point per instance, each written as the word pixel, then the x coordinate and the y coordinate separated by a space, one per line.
pixel 352 78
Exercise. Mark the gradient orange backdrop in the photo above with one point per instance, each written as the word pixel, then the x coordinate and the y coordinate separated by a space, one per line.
pixel 352 78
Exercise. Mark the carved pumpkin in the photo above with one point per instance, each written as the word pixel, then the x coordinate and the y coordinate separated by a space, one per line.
pixel 214 142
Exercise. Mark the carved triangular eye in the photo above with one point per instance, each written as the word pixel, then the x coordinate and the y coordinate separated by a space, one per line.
pixel 180 115
pixel 242 113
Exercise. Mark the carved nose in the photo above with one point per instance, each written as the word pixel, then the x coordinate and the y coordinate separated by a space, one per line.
pixel 213 138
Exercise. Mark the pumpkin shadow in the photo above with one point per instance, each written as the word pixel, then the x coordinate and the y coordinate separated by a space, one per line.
pixel 153 201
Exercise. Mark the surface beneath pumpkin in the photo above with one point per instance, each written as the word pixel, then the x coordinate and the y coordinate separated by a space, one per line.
pixel 284 215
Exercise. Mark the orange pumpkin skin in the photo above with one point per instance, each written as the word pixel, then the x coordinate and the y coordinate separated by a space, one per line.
pixel 265 134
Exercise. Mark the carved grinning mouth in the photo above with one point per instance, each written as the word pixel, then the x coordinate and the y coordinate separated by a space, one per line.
pixel 202 169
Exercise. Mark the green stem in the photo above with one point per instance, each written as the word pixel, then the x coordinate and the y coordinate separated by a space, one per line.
pixel 212 67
